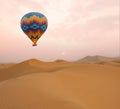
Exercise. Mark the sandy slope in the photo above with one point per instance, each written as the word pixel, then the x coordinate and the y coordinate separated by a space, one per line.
pixel 60 85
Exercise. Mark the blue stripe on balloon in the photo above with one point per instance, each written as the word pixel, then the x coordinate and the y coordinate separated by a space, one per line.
pixel 43 27
pixel 25 27
pixel 34 26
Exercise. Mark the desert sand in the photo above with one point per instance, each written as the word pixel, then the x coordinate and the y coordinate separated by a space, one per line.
pixel 33 84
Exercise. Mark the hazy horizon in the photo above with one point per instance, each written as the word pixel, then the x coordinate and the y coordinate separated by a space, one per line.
pixel 76 28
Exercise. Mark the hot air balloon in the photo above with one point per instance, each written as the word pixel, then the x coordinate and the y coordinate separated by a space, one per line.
pixel 34 24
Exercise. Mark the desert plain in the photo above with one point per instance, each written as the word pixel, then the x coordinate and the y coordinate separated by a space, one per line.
pixel 33 84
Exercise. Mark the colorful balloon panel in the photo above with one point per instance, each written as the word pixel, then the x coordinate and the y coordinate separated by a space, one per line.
pixel 34 24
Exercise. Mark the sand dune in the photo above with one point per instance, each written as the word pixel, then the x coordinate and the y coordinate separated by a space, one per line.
pixel 31 66
pixel 111 63
pixel 33 84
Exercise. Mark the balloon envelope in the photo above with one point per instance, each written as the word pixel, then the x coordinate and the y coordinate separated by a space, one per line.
pixel 34 24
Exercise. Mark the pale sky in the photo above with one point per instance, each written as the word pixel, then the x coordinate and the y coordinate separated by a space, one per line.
pixel 76 28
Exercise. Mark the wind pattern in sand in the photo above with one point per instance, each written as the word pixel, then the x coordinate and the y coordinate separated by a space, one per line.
pixel 34 24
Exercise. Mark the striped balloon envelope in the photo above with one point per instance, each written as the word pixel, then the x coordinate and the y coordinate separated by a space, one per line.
pixel 34 24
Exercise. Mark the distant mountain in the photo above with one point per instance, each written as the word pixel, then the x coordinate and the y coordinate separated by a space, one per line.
pixel 97 58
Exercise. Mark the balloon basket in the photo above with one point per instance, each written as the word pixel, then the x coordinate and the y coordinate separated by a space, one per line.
pixel 34 45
